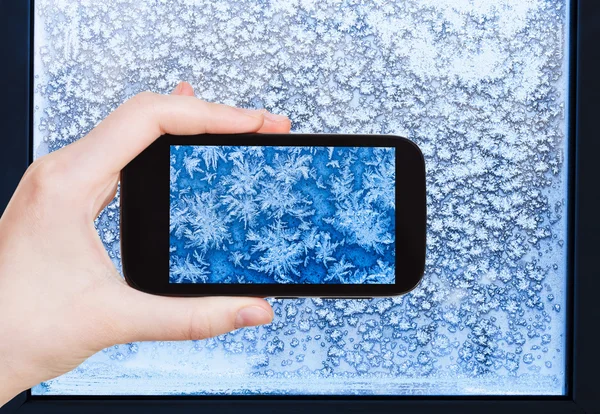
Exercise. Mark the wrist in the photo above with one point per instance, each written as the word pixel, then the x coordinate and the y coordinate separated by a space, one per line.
pixel 7 391
pixel 10 383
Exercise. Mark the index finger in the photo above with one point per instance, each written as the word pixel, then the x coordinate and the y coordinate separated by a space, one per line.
pixel 142 119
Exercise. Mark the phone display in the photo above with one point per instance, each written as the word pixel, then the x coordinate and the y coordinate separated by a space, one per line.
pixel 282 214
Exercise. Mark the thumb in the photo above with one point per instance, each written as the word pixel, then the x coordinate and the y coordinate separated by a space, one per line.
pixel 145 317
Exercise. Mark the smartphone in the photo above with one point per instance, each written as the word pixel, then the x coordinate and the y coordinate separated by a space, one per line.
pixel 275 215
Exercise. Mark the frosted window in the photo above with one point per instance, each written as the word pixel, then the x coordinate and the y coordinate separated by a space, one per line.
pixel 301 215
pixel 480 86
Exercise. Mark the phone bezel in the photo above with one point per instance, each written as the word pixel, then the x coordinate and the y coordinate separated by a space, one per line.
pixel 145 199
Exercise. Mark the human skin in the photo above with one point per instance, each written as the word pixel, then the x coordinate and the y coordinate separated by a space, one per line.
pixel 61 298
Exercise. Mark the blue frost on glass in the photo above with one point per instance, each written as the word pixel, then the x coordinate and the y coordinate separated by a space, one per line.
pixel 480 86
pixel 282 215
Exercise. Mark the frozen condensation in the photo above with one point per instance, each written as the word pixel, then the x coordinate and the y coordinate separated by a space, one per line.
pixel 308 215
pixel 480 86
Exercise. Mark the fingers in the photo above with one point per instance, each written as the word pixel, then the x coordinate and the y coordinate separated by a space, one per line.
pixel 275 124
pixel 138 122
pixel 144 317
pixel 184 89
pixel 278 124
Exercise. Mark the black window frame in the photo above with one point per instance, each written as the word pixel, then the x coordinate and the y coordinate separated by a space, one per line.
pixel 583 363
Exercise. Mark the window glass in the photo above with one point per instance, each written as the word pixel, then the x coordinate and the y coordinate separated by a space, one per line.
pixel 480 86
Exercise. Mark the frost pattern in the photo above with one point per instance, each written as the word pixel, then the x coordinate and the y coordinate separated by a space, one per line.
pixel 282 215
pixel 480 86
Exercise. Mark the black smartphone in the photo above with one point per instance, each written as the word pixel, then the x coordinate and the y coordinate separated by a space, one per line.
pixel 275 215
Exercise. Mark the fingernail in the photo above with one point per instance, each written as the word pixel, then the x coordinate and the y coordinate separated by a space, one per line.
pixel 252 316
pixel 276 117
pixel 255 113
pixel 178 88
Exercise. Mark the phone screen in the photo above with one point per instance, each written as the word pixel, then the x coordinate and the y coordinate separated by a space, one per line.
pixel 270 214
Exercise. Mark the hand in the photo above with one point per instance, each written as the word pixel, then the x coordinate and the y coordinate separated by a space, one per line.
pixel 61 298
